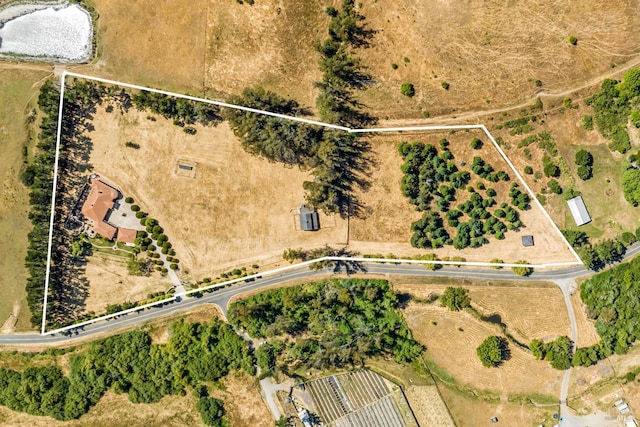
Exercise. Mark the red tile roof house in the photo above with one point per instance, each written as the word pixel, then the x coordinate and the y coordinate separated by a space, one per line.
pixel 99 203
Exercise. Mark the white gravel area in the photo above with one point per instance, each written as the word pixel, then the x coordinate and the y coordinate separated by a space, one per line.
pixel 56 33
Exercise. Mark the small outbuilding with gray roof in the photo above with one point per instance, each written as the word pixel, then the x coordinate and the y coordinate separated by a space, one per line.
pixel 579 211
pixel 309 220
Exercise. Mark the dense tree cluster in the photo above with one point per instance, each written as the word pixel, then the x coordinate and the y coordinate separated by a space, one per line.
pixel 559 352
pixel 612 108
pixel 130 363
pixel 332 323
pixel 182 111
pixel 631 186
pixel 597 256
pixel 613 301
pixel 38 176
pixel 431 181
pixel 337 159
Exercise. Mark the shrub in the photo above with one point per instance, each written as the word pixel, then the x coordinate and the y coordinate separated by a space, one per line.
pixel 491 192
pixel 394 65
pixel 497 261
pixel 407 89
pixel 455 299
pixel 135 208
pixel 476 143
pixel 573 40
pixel 585 172
pixel 189 130
pixel 133 145
pixel 528 170
pixel 140 214
pixel 551 170
pixel 211 411
pixel 445 85
pixel 587 122
pixel 584 158
pixel 173 266
pixel 554 187
pixel 128 199
pixel 522 271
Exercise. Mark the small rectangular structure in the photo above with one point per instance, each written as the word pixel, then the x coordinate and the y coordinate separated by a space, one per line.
pixel 309 219
pixel 579 211
pixel 527 241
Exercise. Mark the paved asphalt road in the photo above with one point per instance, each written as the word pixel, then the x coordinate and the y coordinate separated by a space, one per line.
pixel 221 297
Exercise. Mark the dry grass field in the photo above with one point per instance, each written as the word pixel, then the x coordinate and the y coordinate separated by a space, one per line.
pixel 116 410
pixel 111 283
pixel 452 341
pixel 490 52
pixel 149 43
pixel 385 227
pixel 428 407
pixel 19 89
pixel 473 412
pixel 237 209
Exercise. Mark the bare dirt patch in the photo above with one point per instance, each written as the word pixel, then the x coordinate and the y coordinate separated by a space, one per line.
pixel 243 402
pixel 388 214
pixel 238 209
pixel 110 283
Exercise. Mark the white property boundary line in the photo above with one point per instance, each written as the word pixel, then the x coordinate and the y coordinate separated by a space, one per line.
pixel 278 270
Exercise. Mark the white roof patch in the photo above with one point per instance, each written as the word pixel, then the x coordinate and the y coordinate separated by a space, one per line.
pixel 579 211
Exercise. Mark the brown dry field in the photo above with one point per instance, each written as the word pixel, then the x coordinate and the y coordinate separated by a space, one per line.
pixel 474 412
pixel 110 283
pixel 428 407
pixel 381 232
pixel 535 313
pixel 587 334
pixel 19 90
pixel 529 312
pixel 237 209
pixel 488 51
pixel 455 352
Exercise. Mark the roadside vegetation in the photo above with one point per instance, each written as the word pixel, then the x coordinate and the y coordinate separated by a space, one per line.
pixel 196 355
pixel 333 323
pixel 612 302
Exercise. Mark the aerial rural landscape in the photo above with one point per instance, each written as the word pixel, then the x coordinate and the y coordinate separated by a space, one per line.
pixel 319 213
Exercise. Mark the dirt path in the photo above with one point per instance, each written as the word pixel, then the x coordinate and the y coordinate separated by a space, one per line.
pixel 474 116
